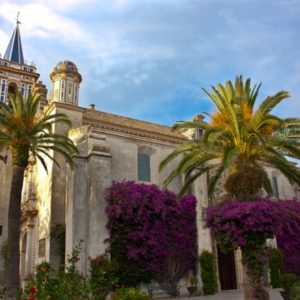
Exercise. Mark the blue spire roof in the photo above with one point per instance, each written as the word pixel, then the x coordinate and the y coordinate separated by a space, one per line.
pixel 14 50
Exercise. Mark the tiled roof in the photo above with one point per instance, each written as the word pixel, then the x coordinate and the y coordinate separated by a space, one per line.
pixel 132 126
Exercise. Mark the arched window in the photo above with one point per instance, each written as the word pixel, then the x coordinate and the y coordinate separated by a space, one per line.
pixel 12 89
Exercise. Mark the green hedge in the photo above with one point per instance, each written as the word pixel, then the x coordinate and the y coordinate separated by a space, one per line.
pixel 208 273
pixel 130 294
pixel 275 262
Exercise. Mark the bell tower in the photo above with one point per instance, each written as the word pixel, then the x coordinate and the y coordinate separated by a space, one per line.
pixel 15 73
pixel 65 82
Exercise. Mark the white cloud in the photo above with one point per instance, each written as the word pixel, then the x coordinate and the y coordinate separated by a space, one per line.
pixel 4 41
pixel 40 20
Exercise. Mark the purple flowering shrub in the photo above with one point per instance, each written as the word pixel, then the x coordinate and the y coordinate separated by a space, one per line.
pixel 152 233
pixel 234 224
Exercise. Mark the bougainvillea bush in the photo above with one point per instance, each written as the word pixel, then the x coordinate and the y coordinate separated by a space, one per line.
pixel 153 234
pixel 234 223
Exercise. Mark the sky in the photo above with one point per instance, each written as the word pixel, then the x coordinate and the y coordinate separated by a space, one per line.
pixel 149 59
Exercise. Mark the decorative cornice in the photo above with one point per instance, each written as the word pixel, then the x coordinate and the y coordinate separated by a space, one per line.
pixel 91 118
pixel 122 125
pixel 20 72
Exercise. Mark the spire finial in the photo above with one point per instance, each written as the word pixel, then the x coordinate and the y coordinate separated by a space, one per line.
pixel 14 50
pixel 17 18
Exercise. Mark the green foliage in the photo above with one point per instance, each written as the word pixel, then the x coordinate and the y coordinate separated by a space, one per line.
pixel 208 273
pixel 70 284
pixel 62 285
pixel 288 280
pixel 25 132
pixel 130 294
pixel 255 255
pixel 291 285
pixel 193 280
pixel 103 277
pixel 295 291
pixel 238 140
pixel 275 262
pixel 4 254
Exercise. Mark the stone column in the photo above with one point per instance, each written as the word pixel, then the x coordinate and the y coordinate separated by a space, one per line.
pixel 85 206
pixel 204 237
pixel 29 253
pixel 76 210
pixel 29 212
pixel 99 164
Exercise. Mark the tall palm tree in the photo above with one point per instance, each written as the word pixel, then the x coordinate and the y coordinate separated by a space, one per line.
pixel 27 134
pixel 239 142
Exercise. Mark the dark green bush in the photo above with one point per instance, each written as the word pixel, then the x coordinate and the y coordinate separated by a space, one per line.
pixel 275 262
pixel 130 294
pixel 68 284
pixel 288 280
pixel 103 277
pixel 208 273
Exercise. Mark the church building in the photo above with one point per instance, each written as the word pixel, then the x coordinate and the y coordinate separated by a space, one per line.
pixel 111 148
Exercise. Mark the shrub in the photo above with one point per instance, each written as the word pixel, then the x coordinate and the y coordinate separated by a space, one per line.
pixel 288 281
pixel 275 262
pixel 153 234
pixel 130 294
pixel 102 277
pixel 62 285
pixel 208 273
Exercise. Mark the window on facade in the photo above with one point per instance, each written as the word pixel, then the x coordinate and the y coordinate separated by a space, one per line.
pixel 144 167
pixel 3 90
pixel 12 89
pixel 76 93
pixel 275 187
pixel 62 95
pixel 23 90
pixel 197 134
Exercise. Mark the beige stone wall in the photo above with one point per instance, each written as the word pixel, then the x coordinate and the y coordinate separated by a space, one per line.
pixel 286 190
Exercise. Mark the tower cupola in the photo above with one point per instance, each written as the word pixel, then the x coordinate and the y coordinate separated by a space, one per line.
pixel 65 82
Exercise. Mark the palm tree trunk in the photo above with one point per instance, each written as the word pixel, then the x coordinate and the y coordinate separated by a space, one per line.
pixel 14 217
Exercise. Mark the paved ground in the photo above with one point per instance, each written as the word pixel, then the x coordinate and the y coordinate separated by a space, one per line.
pixel 231 295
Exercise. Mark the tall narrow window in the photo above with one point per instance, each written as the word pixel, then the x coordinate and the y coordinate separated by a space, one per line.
pixel 62 91
pixel 23 90
pixel 275 187
pixel 3 90
pixel 144 167
pixel 76 88
pixel 29 90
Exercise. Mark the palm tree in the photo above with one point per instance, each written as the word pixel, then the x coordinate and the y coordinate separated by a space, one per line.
pixel 27 134
pixel 239 142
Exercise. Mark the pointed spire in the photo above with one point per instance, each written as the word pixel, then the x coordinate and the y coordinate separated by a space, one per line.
pixel 14 50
